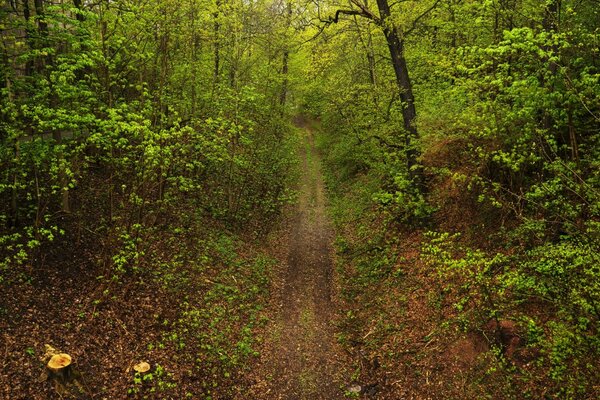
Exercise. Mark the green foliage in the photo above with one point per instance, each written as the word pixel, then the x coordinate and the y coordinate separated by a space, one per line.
pixel 98 105
pixel 562 277
pixel 473 280
pixel 132 125
pixel 405 201
pixel 217 333
pixel 508 104
pixel 132 137
pixel 148 384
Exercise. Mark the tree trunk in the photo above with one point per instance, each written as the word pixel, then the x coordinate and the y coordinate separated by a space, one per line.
pixel 550 25
pixel 57 133
pixel 42 24
pixel 409 112
pixel 14 210
pixel 371 59
pixel 42 39
pixel 194 39
pixel 453 22
pixel 217 45
pixel 79 6
pixel 284 84
pixel 28 36
pixel 285 62
pixel 368 46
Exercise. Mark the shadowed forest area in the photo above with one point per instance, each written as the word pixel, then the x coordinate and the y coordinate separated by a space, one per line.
pixel 300 199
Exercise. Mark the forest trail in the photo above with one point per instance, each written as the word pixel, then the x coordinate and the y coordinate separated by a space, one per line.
pixel 300 360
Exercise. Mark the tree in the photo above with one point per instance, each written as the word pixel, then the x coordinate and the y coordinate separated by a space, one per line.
pixel 395 39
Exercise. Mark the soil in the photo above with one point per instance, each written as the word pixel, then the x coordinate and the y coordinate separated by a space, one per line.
pixel 301 359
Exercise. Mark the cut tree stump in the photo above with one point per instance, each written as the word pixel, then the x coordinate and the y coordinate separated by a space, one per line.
pixel 60 367
pixel 142 367
pixel 62 372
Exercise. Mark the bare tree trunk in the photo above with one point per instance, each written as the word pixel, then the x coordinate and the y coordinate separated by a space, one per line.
pixel 14 204
pixel 42 24
pixel 164 69
pixel 453 21
pixel 27 16
pixel 105 70
pixel 63 179
pixel 371 59
pixel 284 84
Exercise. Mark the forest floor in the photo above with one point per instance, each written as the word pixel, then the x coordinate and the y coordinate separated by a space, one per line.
pixel 301 358
pixel 311 342
pixel 107 327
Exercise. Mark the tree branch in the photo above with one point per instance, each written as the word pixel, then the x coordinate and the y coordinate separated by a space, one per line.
pixel 336 18
pixel 366 12
pixel 416 20
pixel 363 12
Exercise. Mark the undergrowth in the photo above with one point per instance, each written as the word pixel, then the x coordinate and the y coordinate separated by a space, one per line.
pixel 528 303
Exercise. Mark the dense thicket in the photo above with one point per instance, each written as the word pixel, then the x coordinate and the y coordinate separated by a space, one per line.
pixel 507 97
pixel 114 113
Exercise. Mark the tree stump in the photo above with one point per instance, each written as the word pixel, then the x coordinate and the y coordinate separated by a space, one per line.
pixel 142 367
pixel 59 367
pixel 60 370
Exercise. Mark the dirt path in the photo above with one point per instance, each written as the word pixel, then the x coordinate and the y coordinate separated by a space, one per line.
pixel 301 359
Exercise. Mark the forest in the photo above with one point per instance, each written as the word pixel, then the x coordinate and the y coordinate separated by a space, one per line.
pixel 300 199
